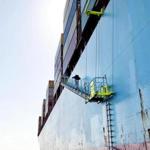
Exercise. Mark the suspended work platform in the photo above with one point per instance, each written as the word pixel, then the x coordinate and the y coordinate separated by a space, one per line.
pixel 97 90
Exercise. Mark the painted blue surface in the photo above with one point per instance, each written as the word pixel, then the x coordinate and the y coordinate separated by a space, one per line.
pixel 119 48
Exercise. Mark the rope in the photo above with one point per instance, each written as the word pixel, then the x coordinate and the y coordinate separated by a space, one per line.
pixel 113 40
pixel 96 54
pixel 86 62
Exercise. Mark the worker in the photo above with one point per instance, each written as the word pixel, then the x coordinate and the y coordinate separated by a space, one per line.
pixel 85 87
pixel 76 79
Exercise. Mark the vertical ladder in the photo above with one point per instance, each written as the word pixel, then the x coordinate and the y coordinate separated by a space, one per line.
pixel 109 125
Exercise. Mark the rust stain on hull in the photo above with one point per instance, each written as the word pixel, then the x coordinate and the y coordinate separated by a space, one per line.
pixel 105 136
pixel 134 147
pixel 142 105
pixel 143 116
pixel 149 133
pixel 128 147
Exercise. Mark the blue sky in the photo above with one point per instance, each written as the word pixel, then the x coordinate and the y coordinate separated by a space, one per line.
pixel 29 35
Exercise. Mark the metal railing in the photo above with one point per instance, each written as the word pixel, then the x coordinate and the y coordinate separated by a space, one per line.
pixel 97 90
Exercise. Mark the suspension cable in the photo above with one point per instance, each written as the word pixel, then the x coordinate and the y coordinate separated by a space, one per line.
pixel 96 54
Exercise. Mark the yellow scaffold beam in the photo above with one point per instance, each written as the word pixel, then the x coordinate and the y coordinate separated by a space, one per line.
pixel 92 12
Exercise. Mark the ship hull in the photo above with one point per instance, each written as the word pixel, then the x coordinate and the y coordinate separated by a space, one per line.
pixel 120 49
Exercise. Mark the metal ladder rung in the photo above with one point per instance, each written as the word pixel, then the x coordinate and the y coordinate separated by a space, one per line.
pixel 109 125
